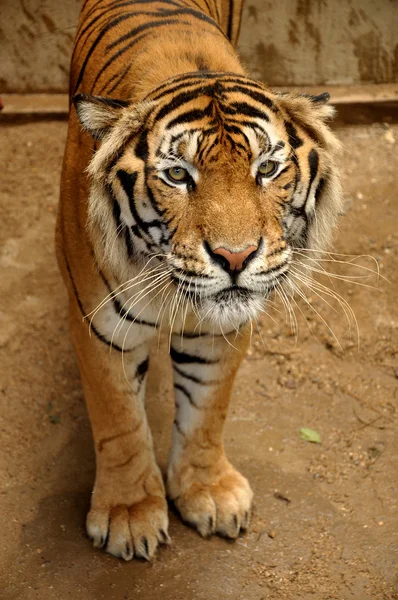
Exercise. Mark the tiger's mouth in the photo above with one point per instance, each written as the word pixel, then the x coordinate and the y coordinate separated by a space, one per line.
pixel 233 293
pixel 229 300
pixel 232 307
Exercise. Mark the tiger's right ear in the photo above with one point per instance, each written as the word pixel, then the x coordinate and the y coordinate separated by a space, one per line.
pixel 98 114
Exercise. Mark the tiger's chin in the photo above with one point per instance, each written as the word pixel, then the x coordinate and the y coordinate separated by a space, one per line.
pixel 231 308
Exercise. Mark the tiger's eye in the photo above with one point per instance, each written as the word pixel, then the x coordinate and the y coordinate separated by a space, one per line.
pixel 267 168
pixel 177 174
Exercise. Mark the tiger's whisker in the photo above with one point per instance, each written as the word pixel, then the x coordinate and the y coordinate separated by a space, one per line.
pixel 112 296
pixel 128 331
pixel 304 297
pixel 137 298
pixel 112 293
pixel 347 278
pixel 319 289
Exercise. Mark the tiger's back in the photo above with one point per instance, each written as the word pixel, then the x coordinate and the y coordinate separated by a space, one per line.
pixel 124 49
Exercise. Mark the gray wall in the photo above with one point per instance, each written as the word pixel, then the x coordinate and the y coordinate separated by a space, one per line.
pixel 309 42
pixel 36 40
pixel 284 42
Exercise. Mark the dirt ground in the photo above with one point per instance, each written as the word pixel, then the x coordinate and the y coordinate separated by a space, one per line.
pixel 325 518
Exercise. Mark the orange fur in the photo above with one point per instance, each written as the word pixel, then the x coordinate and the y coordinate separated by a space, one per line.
pixel 112 221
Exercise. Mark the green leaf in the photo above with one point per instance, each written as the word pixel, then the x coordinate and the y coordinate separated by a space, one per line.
pixel 310 435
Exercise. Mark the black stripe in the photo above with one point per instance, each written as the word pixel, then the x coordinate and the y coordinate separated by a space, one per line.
pixel 154 202
pixel 208 6
pixel 261 98
pixel 129 243
pixel 115 208
pixel 137 232
pixel 181 99
pixel 274 270
pixel 165 182
pixel 119 307
pixel 178 427
pixel 105 13
pixel 186 393
pixel 119 225
pixel 319 189
pixel 286 168
pixel 241 79
pixel 133 33
pixel 278 146
pixel 294 140
pixel 193 335
pixel 185 82
pixel 141 370
pixel 188 376
pixel 298 211
pixel 166 14
pixel 297 178
pixel 192 274
pixel 235 129
pixel 97 40
pixel 239 123
pixel 102 90
pixel 175 86
pixel 205 150
pixel 234 144
pixel 120 77
pixel 83 312
pixel 217 12
pixel 141 149
pixel 183 358
pixel 244 108
pixel 192 115
pixel 118 154
pixel 113 6
pixel 128 181
pixel 174 138
pixel 195 78
pixel 313 163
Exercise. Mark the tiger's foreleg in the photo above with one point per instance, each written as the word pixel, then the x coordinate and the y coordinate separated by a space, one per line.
pixel 128 514
pixel 206 489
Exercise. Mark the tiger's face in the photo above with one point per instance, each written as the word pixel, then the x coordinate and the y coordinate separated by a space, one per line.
pixel 221 179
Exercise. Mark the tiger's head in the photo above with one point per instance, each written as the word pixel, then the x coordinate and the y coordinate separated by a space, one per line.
pixel 220 178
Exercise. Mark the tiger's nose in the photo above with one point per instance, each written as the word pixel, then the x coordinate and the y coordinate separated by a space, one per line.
pixel 232 261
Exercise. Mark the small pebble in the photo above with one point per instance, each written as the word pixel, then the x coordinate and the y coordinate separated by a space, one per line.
pixel 291 384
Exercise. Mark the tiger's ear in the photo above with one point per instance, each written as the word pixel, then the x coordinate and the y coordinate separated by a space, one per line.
pixel 311 112
pixel 319 99
pixel 98 114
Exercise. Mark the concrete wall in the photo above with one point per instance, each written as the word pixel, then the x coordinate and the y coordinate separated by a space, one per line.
pixel 309 42
pixel 284 42
pixel 36 40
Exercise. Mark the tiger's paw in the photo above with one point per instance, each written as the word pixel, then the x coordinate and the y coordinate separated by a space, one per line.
pixel 220 506
pixel 129 532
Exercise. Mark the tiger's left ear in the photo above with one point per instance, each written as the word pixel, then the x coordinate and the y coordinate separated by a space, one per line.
pixel 311 112
pixel 319 99
pixel 98 114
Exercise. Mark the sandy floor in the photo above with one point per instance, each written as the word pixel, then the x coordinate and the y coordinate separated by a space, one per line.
pixel 325 516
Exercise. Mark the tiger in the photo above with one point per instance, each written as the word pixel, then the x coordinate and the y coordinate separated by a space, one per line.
pixel 187 190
